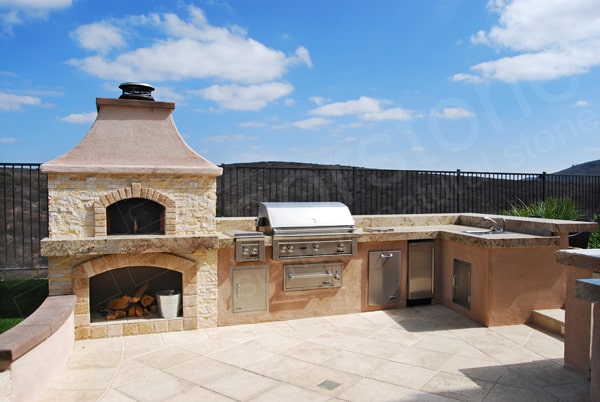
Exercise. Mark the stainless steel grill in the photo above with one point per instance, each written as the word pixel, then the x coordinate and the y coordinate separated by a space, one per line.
pixel 308 229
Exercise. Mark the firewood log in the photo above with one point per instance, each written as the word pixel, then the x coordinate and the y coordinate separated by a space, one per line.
pixel 147 300
pixel 139 310
pixel 121 313
pixel 131 310
pixel 120 303
pixel 138 295
pixel 110 317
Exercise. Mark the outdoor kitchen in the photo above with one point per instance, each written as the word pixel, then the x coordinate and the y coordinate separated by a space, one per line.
pixel 130 223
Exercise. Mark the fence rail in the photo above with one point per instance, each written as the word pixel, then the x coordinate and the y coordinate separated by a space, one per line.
pixel 24 195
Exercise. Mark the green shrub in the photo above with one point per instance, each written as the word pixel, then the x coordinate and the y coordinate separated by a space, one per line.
pixel 594 239
pixel 20 298
pixel 552 208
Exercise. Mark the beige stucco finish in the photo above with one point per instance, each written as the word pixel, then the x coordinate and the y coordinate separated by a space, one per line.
pixel 132 137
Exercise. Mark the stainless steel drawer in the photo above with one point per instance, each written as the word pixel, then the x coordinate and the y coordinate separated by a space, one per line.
pixel 312 276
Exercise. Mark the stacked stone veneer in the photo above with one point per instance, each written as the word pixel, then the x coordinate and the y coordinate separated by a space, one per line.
pixel 77 203
pixel 77 211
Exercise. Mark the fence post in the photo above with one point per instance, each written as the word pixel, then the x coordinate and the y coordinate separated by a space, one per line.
pixel 354 190
pixel 457 191
pixel 544 189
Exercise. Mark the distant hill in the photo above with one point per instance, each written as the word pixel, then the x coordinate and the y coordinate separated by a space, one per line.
pixel 588 169
pixel 285 165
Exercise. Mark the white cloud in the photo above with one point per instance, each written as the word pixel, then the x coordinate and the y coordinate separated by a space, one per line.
pixel 252 124
pixel 388 114
pixel 80 118
pixel 317 100
pixel 311 124
pixel 230 138
pixel 9 140
pixel 17 12
pixel 35 4
pixel 582 103
pixel 363 105
pixel 100 37
pixel 192 49
pixel 452 113
pixel 16 102
pixel 251 97
pixel 552 39
pixel 473 79
pixel 365 108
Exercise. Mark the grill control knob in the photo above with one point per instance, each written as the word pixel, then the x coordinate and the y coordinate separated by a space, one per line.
pixel 315 247
pixel 254 251
pixel 282 249
pixel 340 247
pixel 290 249
pixel 245 250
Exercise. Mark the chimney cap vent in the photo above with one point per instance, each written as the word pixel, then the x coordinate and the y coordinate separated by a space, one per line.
pixel 136 90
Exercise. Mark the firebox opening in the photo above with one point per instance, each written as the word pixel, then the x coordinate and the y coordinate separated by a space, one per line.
pixel 127 281
pixel 134 216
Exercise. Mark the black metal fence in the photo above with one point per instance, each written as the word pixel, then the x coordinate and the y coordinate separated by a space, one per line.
pixel 374 191
pixel 24 216
pixel 24 195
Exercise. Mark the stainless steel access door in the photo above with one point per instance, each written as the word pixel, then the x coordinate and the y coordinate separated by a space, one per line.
pixel 249 289
pixel 384 277
pixel 420 270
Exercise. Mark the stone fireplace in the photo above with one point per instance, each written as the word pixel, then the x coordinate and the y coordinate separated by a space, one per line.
pixel 132 205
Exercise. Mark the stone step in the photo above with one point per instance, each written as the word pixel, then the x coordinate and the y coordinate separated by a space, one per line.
pixel 551 320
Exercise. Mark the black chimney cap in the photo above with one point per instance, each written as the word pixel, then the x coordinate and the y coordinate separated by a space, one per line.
pixel 136 90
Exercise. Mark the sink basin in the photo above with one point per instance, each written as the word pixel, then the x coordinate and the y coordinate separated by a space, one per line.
pixel 379 229
pixel 483 232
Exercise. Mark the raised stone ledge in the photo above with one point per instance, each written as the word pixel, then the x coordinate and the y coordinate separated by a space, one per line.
pixel 35 329
pixel 582 258
pixel 128 244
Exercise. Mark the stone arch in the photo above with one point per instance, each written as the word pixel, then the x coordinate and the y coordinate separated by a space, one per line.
pixel 135 191
pixel 83 272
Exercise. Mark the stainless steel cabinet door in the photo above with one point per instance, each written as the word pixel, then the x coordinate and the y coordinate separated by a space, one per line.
pixel 249 289
pixel 420 270
pixel 384 277
pixel 461 286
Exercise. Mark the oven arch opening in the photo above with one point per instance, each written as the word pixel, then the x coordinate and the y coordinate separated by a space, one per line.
pixel 168 216
pixel 135 216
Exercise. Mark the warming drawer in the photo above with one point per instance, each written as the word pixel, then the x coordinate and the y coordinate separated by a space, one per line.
pixel 312 276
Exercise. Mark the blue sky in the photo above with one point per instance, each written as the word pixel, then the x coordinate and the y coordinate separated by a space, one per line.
pixel 475 85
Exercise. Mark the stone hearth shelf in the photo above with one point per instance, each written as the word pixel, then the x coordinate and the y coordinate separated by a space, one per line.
pixel 53 247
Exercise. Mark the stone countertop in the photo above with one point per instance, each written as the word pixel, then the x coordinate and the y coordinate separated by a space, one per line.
pixel 457 233
pixel 520 232
pixel 588 290
pixel 584 258
pixel 430 232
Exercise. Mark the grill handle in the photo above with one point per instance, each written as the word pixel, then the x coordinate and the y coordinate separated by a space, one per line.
pixel 323 275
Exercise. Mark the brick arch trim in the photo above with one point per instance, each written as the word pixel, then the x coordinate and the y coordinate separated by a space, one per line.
pixel 106 263
pixel 135 191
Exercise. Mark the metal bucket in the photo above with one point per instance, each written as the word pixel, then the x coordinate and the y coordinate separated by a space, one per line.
pixel 169 303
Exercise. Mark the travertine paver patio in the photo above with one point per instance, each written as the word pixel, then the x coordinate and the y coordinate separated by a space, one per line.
pixel 426 353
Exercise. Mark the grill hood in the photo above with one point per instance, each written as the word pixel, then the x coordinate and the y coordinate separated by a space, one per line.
pixel 299 218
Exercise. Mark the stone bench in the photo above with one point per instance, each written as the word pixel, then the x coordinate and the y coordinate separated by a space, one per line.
pixel 32 351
